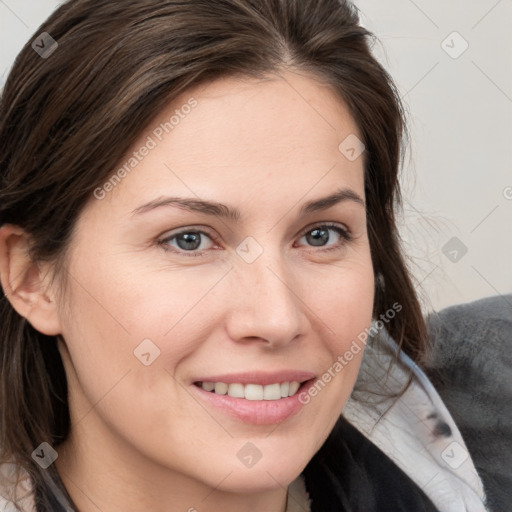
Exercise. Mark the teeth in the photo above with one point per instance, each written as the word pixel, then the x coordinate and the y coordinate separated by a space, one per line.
pixel 253 391
pixel 236 391
pixel 272 392
pixel 208 386
pixel 294 386
pixel 221 388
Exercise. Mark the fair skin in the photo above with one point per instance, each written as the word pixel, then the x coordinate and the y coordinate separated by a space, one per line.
pixel 143 437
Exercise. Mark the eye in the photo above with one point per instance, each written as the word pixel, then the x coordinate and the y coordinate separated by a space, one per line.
pixel 187 241
pixel 319 235
pixel 190 241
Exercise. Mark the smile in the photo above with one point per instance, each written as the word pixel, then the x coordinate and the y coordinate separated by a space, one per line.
pixel 274 391
pixel 257 398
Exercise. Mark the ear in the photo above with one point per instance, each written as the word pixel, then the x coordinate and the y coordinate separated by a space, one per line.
pixel 25 283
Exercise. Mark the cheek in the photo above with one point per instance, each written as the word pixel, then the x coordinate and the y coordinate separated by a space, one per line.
pixel 127 328
pixel 353 308
pixel 343 300
pixel 343 306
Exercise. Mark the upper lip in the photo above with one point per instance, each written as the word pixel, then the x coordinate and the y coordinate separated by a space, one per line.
pixel 259 377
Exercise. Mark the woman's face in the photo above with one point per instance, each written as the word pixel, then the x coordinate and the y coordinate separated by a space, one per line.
pixel 162 297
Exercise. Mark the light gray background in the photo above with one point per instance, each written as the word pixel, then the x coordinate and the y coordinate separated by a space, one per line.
pixel 458 174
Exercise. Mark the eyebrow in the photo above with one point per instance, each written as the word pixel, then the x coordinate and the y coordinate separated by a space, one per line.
pixel 217 209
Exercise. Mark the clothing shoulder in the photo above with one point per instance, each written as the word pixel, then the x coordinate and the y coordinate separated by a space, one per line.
pixel 414 429
pixel 471 367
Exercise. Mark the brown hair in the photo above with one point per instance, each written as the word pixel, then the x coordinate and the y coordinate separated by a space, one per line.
pixel 68 119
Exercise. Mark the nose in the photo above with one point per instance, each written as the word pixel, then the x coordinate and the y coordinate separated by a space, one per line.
pixel 267 306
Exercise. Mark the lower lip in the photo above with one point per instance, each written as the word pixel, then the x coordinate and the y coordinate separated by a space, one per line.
pixel 256 412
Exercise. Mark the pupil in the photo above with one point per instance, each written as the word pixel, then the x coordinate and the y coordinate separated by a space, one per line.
pixel 189 238
pixel 324 237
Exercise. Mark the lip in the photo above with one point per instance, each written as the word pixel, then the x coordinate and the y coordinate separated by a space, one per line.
pixel 255 412
pixel 258 377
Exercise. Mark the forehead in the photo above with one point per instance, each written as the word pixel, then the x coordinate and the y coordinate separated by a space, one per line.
pixel 288 114
pixel 244 141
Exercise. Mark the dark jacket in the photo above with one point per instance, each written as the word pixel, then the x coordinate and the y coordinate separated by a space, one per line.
pixel 351 474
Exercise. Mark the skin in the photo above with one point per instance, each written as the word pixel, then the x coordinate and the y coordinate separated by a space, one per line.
pixel 139 439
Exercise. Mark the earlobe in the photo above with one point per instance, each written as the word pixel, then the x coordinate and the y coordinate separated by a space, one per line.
pixel 24 283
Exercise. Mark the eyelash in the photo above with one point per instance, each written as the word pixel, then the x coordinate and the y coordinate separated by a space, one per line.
pixel 344 234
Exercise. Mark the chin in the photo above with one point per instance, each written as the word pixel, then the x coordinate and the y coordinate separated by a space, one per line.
pixel 262 477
